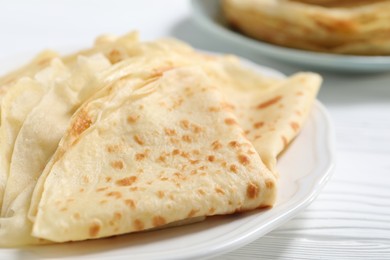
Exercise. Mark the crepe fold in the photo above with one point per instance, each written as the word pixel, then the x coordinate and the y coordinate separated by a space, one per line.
pixel 130 136
pixel 37 140
pixel 149 175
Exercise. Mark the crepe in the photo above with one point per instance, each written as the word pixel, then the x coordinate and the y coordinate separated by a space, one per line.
pixel 109 48
pixel 41 132
pixel 8 80
pixel 104 184
pixel 16 105
pixel 28 70
pixel 345 27
pixel 338 3
pixel 143 136
pixel 148 175
pixel 43 140
pixel 36 142
pixel 245 90
pixel 272 120
pixel 271 111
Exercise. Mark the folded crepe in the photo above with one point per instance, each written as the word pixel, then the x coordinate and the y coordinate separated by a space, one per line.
pixel 282 104
pixel 45 125
pixel 346 27
pixel 6 82
pixel 43 129
pixel 17 79
pixel 17 103
pixel 23 82
pixel 38 63
pixel 155 156
pixel 148 173
pixel 37 140
pixel 271 111
pixel 146 135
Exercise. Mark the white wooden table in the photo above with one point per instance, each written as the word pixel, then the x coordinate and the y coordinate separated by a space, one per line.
pixel 351 217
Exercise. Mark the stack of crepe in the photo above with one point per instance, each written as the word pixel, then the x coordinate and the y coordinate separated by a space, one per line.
pixel 359 27
pixel 129 136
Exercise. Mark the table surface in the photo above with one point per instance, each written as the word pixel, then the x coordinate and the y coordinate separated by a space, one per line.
pixel 350 219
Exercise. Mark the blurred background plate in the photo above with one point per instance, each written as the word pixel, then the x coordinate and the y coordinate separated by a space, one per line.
pixel 208 14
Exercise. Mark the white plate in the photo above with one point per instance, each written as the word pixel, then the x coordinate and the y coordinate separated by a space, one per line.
pixel 208 14
pixel 304 169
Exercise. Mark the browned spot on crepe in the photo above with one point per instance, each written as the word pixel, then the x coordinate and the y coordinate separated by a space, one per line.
pixel 115 56
pixel 131 119
pixel 216 145
pixel 117 165
pixel 170 132
pixel 114 148
pixel 130 203
pixel 196 129
pixel 160 194
pixel 201 192
pixel 184 124
pixel 230 121
pixel 192 213
pixel 138 224
pixel 158 221
pixel 269 102
pixel 44 62
pixel 94 229
pixel 214 109
pixel 269 184
pixel 233 168
pixel 211 158
pixel 284 140
pixel 117 215
pixel 81 123
pixel 138 140
pixel 243 159
pixel 252 191
pixel 258 125
pixel 294 126
pixel 220 191
pixel 234 144
pixel 186 138
pixel 126 181
pixel 115 194
pixel 140 156
pixel 85 179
